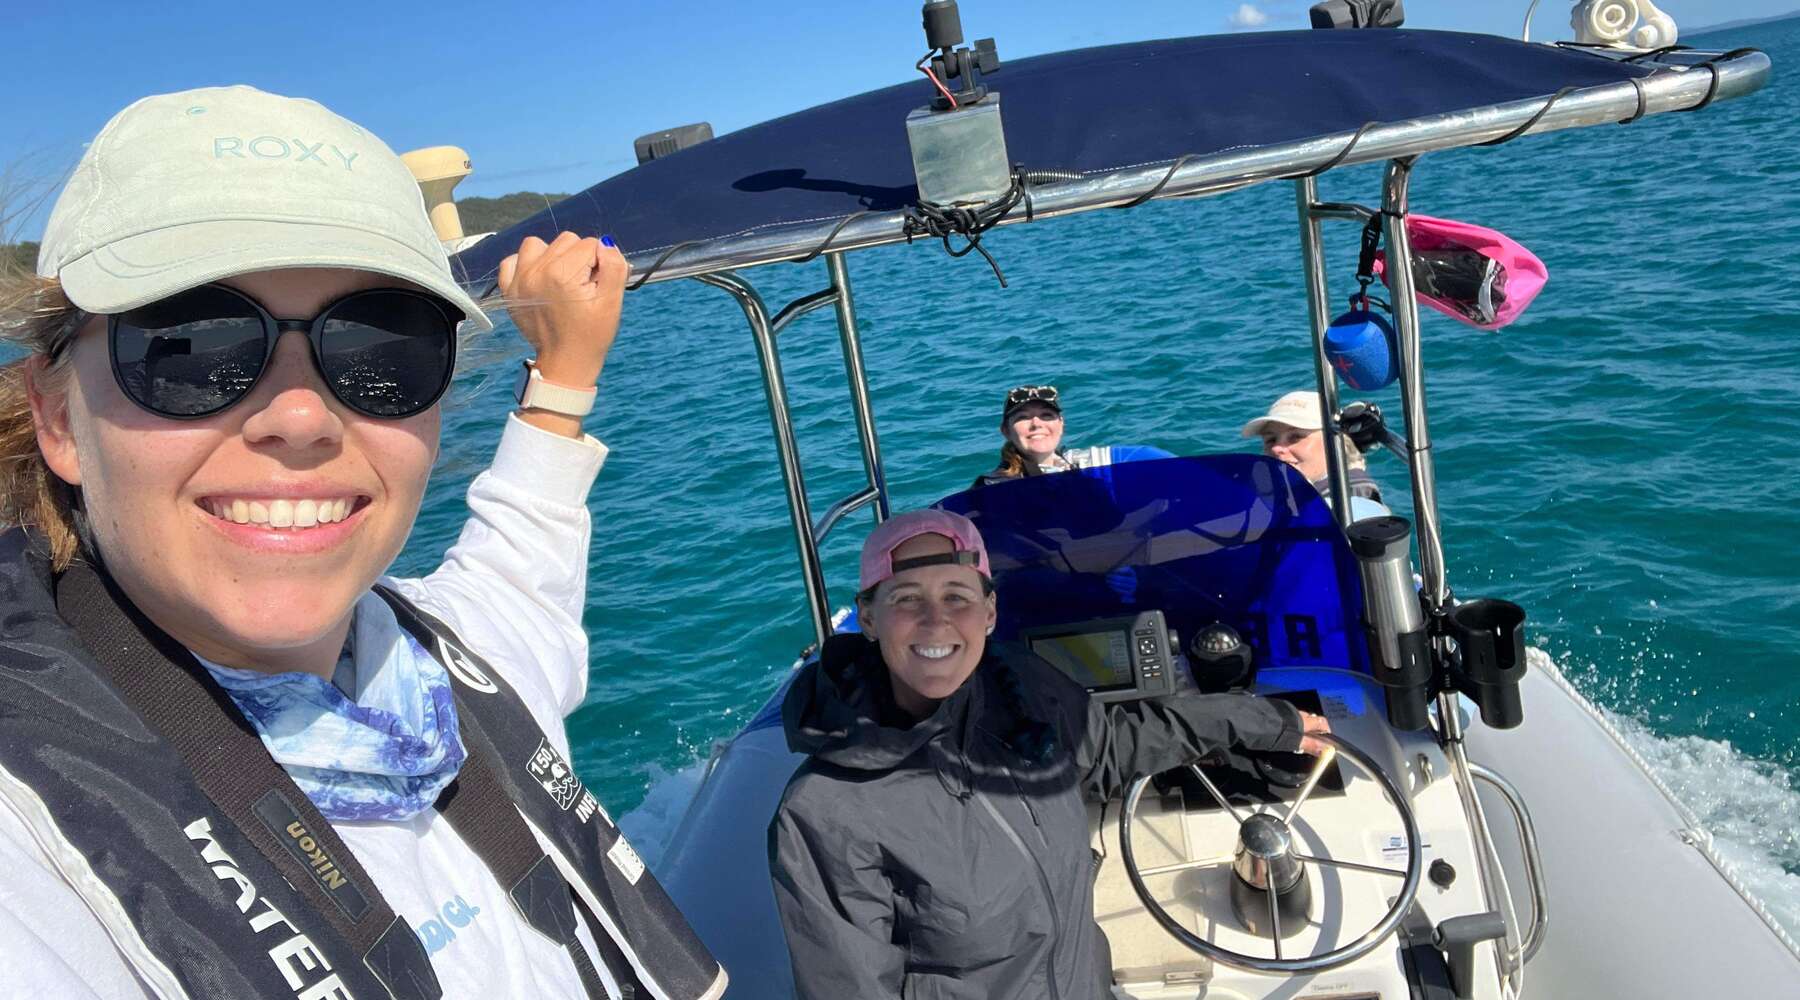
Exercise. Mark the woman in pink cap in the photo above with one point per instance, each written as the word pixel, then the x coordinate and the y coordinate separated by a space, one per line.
pixel 935 842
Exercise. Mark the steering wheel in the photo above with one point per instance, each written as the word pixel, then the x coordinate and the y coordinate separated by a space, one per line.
pixel 1266 863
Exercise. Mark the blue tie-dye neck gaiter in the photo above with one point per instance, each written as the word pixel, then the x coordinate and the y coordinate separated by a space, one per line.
pixel 382 752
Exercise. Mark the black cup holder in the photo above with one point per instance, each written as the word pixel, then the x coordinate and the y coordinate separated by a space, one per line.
pixel 1491 635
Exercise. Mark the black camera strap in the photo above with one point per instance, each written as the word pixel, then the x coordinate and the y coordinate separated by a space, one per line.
pixel 1365 261
pixel 229 763
pixel 480 811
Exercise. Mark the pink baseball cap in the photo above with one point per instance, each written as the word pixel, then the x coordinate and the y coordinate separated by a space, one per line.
pixel 965 541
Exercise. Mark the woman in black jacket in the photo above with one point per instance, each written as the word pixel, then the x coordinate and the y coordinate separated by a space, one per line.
pixel 935 843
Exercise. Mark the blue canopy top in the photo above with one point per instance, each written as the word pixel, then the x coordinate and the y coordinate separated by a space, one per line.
pixel 1091 111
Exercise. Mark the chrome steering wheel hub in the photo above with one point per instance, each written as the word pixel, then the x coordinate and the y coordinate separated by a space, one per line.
pixel 1271 893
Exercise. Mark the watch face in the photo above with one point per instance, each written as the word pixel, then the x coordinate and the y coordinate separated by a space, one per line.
pixel 524 382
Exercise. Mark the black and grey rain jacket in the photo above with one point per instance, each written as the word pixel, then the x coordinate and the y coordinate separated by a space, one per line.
pixel 952 859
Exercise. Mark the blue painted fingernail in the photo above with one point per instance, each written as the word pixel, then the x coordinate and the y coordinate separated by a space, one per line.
pixel 607 241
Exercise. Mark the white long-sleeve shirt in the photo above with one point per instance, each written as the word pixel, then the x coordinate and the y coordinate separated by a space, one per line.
pixel 513 587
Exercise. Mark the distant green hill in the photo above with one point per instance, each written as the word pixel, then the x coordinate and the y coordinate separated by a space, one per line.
pixel 490 215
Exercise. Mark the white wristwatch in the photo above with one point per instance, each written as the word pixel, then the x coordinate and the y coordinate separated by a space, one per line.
pixel 534 392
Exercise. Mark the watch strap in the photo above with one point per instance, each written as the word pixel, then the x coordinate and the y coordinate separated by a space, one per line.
pixel 538 393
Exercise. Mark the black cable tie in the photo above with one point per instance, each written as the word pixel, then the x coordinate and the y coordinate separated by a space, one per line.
pixel 1529 122
pixel 1341 154
pixel 1712 66
pixel 1712 87
pixel 1643 103
pixel 1153 192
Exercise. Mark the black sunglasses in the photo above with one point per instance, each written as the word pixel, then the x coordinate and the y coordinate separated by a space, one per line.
pixel 384 352
pixel 1031 394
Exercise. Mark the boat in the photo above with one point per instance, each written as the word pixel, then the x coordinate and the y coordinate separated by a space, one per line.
pixel 1480 829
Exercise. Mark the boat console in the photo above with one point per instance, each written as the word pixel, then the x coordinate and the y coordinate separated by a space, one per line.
pixel 1355 874
pixel 1217 878
pixel 1115 659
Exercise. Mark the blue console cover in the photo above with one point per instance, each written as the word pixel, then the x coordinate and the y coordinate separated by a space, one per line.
pixel 1239 539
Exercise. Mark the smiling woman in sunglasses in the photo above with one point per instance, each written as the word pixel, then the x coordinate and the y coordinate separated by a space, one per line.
pixel 238 759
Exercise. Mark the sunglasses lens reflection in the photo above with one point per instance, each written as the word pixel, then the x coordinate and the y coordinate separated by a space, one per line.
pixel 190 354
pixel 387 353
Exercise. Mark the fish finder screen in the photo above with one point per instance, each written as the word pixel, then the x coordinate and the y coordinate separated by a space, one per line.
pixel 1098 661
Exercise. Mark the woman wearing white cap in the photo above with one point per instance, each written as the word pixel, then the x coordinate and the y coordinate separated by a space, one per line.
pixel 900 852
pixel 1292 432
pixel 238 759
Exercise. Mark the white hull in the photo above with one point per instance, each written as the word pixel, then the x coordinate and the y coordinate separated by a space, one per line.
pixel 1640 903
pixel 1639 907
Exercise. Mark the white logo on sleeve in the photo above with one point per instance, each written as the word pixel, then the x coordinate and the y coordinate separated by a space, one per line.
pixel 588 806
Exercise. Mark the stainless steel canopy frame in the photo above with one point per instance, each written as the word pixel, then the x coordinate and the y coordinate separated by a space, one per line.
pixel 1318 299
pixel 1680 86
pixel 1686 80
pixel 764 329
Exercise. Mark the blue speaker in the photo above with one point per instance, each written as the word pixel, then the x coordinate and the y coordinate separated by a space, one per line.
pixel 1360 346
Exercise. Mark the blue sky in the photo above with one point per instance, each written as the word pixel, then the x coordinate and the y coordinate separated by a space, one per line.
pixel 548 95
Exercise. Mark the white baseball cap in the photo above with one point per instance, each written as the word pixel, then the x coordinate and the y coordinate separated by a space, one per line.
pixel 1299 408
pixel 182 189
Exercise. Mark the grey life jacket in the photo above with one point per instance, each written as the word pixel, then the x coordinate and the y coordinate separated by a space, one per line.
pixel 213 873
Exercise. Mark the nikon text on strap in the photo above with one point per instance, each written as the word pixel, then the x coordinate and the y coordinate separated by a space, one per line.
pixel 228 761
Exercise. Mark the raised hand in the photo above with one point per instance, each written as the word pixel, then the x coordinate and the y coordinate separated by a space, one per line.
pixel 565 297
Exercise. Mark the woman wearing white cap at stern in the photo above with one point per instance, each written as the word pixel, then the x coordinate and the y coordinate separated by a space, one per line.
pixel 240 760
pixel 1293 432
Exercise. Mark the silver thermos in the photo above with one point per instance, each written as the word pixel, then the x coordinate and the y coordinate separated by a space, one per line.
pixel 1398 644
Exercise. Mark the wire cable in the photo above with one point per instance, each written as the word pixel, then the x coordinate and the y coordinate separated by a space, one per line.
pixel 1529 122
pixel 927 218
pixel 1153 192
pixel 935 82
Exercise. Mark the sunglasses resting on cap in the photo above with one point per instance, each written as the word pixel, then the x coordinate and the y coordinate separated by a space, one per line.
pixel 1021 395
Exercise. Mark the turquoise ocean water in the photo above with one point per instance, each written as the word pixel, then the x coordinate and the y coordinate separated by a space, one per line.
pixel 1624 461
